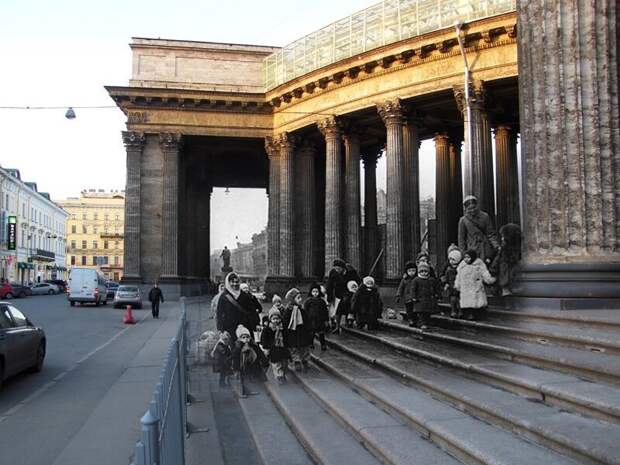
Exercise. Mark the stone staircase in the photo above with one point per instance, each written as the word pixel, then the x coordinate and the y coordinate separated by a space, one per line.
pixel 518 388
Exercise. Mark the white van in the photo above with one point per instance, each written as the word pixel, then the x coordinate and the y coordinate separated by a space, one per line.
pixel 86 285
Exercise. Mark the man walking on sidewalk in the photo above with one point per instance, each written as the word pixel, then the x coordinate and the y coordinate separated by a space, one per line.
pixel 155 296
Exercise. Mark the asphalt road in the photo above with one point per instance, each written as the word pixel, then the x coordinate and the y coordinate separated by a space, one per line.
pixel 87 351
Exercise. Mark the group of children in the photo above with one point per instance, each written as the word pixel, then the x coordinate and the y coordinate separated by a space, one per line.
pixel 461 283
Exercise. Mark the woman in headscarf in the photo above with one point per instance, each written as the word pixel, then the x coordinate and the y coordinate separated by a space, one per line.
pixel 230 313
pixel 367 305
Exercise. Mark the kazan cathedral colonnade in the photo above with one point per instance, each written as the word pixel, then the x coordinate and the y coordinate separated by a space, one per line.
pixel 298 121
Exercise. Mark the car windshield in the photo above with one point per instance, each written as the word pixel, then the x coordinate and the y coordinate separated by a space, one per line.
pixel 128 289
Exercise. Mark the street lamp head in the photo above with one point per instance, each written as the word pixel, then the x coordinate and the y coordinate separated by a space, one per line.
pixel 70 114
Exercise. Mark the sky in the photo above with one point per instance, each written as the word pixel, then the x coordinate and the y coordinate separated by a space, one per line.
pixel 62 53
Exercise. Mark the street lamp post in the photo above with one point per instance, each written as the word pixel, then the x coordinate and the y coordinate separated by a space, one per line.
pixel 469 158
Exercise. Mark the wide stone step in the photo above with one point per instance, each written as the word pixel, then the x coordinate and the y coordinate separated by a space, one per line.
pixel 585 439
pixel 590 365
pixel 578 337
pixel 469 439
pixel 325 440
pixel 605 320
pixel 597 400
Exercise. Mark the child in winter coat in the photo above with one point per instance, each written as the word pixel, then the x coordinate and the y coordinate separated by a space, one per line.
pixel 344 308
pixel 471 277
pixel 222 358
pixel 316 308
pixel 448 277
pixel 425 290
pixel 366 304
pixel 404 291
pixel 424 257
pixel 272 341
pixel 248 360
pixel 298 329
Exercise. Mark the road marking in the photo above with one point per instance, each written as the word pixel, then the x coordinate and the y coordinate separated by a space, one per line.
pixel 13 410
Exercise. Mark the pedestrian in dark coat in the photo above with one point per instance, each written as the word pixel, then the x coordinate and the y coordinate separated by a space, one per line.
pixel 336 286
pixel 404 292
pixel 273 342
pixel 316 308
pixel 448 277
pixel 298 329
pixel 366 304
pixel 155 296
pixel 252 307
pixel 351 274
pixel 222 358
pixel 477 232
pixel 425 291
pixel 248 360
pixel 230 313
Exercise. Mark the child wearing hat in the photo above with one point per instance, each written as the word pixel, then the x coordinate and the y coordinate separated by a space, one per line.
pixel 316 308
pixel 344 308
pixel 248 359
pixel 425 290
pixel 298 329
pixel 222 358
pixel 404 292
pixel 272 341
pixel 366 304
pixel 448 277
pixel 472 274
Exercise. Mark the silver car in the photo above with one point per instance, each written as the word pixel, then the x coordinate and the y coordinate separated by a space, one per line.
pixel 22 344
pixel 128 295
pixel 44 289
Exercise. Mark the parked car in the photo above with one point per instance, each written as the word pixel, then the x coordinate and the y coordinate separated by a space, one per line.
pixel 6 291
pixel 19 290
pixel 62 285
pixel 22 344
pixel 44 289
pixel 86 285
pixel 111 288
pixel 128 295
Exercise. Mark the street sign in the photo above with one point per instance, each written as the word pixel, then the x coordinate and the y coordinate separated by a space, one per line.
pixel 12 233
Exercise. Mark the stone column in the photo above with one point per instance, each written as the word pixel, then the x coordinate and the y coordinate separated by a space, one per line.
pixel 515 215
pixel 411 163
pixel 306 242
pixel 286 145
pixel 507 177
pixel 330 128
pixel 570 143
pixel 273 237
pixel 170 145
pixel 442 196
pixel 134 144
pixel 352 198
pixel 370 208
pixel 478 168
pixel 391 113
pixel 456 186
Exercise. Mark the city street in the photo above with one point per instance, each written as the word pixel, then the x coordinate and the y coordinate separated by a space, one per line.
pixel 88 350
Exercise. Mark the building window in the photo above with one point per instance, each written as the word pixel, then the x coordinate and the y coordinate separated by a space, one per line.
pixel 94 244
pixel 83 259
pixel 105 259
pixel 73 259
pixel 74 216
pixel 106 217
pixel 94 259
pixel 105 244
pixel 116 260
pixel 84 216
pixel 84 246
pixel 84 230
pixel 73 245
pixel 95 229
pixel 95 216
pixel 73 229
pixel 117 217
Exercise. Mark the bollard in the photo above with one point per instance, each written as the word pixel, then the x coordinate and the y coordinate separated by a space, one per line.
pixel 150 438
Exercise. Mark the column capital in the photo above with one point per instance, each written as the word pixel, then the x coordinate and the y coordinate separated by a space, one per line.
pixel 308 149
pixel 285 140
pixel 330 127
pixel 170 142
pixel 391 111
pixel 503 129
pixel 271 148
pixel 134 141
pixel 370 159
pixel 441 139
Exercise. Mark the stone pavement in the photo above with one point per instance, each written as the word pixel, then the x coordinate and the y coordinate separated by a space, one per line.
pixel 109 435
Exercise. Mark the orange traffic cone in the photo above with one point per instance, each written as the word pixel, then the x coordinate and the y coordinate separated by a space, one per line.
pixel 128 318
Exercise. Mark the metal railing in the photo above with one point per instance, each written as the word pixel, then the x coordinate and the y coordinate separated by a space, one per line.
pixel 384 23
pixel 164 425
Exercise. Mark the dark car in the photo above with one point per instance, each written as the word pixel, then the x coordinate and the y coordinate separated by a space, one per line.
pixel 22 344
pixel 62 285
pixel 19 290
pixel 111 288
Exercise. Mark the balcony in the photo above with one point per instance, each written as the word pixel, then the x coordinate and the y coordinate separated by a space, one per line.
pixel 41 255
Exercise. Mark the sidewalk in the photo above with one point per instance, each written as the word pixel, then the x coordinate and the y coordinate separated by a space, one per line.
pixel 109 435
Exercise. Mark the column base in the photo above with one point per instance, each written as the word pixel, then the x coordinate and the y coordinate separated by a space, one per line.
pixel 131 279
pixel 566 286
pixel 173 287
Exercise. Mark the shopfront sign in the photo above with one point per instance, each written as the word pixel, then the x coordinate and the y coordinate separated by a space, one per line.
pixel 12 233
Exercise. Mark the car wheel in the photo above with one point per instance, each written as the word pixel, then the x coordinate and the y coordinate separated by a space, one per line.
pixel 72 303
pixel 8 295
pixel 38 365
pixel 22 295
pixel 139 306
pixel 105 302
pixel 50 292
